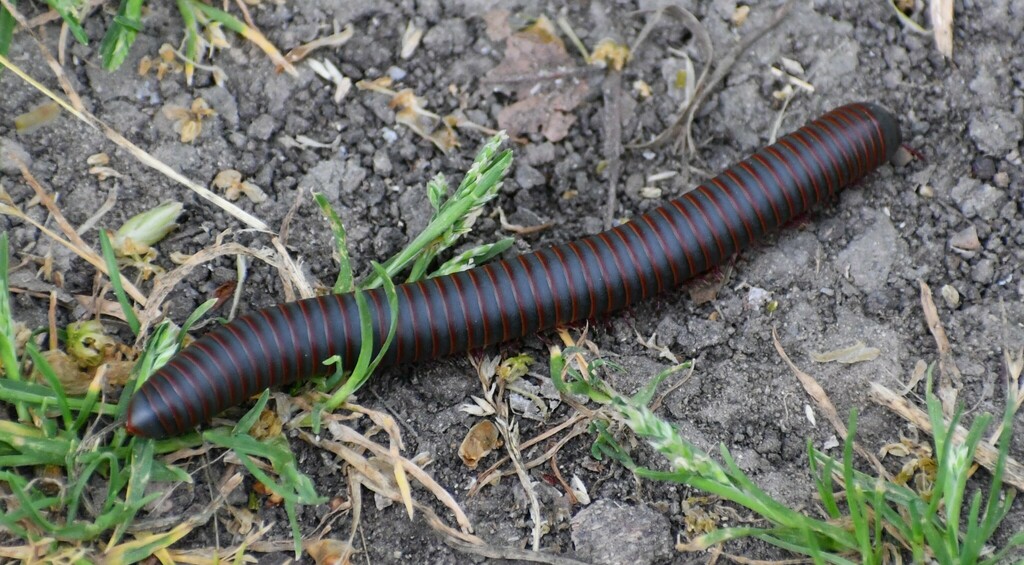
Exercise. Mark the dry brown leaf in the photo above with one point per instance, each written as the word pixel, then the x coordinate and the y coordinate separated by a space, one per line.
pixel 74 380
pixel 985 454
pixel 117 372
pixel 543 105
pixel 329 551
pixel 705 288
pixel 854 354
pixel 267 426
pixel 652 344
pixel 920 369
pixel 479 442
pixel 520 229
pixel 951 295
pixel 739 15
pixel 165 63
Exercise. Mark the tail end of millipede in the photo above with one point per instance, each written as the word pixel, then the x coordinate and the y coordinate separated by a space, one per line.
pixel 889 126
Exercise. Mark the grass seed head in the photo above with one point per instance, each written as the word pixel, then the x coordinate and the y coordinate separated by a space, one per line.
pixel 144 230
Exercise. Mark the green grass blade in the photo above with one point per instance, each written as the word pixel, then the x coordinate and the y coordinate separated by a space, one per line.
pixel 227 20
pixel 36 394
pixel 121 34
pixel 81 480
pixel 92 396
pixel 998 557
pixel 473 257
pixel 855 502
pixel 246 422
pixel 188 19
pixel 822 475
pixel 66 10
pixel 7 24
pixel 364 366
pixel 115 282
pixel 478 186
pixel 345 281
pixel 160 347
pixel 644 396
pixel 139 472
pixel 8 353
pixel 193 318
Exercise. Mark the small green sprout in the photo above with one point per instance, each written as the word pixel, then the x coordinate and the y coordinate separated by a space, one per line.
pixel 139 233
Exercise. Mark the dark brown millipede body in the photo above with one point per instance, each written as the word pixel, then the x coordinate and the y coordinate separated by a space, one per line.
pixel 509 299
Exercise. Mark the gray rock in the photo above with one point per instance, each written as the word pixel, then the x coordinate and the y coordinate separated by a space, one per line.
pixel 984 271
pixel 262 127
pixel 996 133
pixel 353 176
pixel 605 532
pixel 447 37
pixel 223 102
pixel 695 335
pixel 976 199
pixel 870 257
pixel 984 168
pixel 325 177
pixel 539 153
pixel 966 239
pixel 10 148
pixel 527 177
pixel 381 163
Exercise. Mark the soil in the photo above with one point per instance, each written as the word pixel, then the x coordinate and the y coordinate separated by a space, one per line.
pixel 847 273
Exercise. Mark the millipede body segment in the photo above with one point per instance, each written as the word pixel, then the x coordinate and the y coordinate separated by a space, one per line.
pixel 509 299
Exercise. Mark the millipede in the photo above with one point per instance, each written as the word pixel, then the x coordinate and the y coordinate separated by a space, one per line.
pixel 509 299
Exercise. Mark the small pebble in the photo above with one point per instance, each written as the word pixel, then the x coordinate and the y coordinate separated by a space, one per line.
pixel 966 239
pixel 951 296
pixel 396 73
pixel 984 271
pixel 983 168
pixel 607 532
pixel 381 163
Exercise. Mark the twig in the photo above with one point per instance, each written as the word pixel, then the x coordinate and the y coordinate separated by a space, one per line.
pixel 611 124
pixel 75 107
pixel 511 553
pixel 558 475
pixel 705 84
pixel 511 445
pixel 817 393
pixel 74 242
pixel 166 283
pixel 950 380
pixel 485 477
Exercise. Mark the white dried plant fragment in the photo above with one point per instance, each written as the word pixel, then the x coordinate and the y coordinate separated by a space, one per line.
pixel 410 40
pixel 326 70
pixel 579 490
